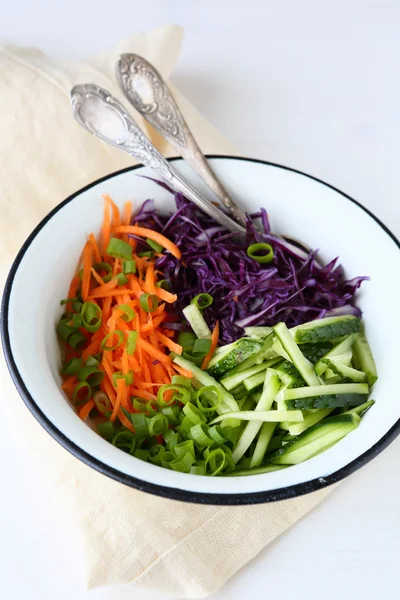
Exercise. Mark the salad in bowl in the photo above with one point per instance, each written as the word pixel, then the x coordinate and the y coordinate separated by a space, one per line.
pixel 188 362
pixel 207 354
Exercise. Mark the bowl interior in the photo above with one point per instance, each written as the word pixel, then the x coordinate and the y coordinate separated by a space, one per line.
pixel 298 206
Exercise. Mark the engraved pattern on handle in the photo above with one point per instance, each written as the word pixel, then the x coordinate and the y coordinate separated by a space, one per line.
pixel 127 136
pixel 147 91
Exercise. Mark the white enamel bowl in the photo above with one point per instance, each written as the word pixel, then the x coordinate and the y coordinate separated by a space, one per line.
pixel 299 206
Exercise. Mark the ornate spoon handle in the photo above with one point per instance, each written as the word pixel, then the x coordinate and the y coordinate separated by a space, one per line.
pixel 104 116
pixel 147 91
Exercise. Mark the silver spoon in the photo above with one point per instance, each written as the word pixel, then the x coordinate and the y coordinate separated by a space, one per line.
pixel 103 115
pixel 147 91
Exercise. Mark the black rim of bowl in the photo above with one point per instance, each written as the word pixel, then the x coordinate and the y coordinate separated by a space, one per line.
pixel 169 492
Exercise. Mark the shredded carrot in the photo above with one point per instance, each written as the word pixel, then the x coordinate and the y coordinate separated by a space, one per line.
pixel 97 277
pixel 125 363
pixel 116 219
pixel 214 342
pixel 150 279
pixel 69 382
pixel 85 410
pixel 149 358
pixel 163 358
pixel 87 270
pixel 106 287
pixel 73 290
pixel 153 324
pixel 95 248
pixel 106 309
pixel 151 235
pixel 166 296
pixel 93 348
pixel 135 285
pixel 126 218
pixel 182 371
pixel 143 394
pixel 106 227
pixel 169 343
pixel 121 397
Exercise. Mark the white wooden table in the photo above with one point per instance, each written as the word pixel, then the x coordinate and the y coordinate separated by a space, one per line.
pixel 313 85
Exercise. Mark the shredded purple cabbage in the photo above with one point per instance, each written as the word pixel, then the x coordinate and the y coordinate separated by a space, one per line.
pixel 293 288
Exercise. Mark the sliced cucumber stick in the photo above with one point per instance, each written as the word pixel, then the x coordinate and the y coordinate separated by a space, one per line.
pixel 304 367
pixel 323 330
pixel 315 440
pixel 232 381
pixel 232 355
pixel 197 322
pixel 365 358
pixel 270 389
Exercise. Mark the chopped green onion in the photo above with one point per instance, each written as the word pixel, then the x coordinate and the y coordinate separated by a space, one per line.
pixel 200 434
pixel 140 424
pixel 106 430
pixel 152 407
pixel 73 366
pixel 208 398
pixel 181 449
pixel 215 462
pixel 196 360
pixel 129 313
pixel 148 302
pixel 101 268
pixel 77 340
pixel 92 361
pixel 121 278
pixel 92 375
pixel 139 404
pixel 76 306
pixel 103 403
pixel 154 245
pixel 119 249
pixel 167 458
pixel 120 335
pixel 180 394
pixel 148 253
pixel 197 470
pixel 76 321
pixel 217 434
pixel 202 301
pixel 201 347
pixel 185 382
pixel 91 316
pixel 158 424
pixel 193 413
pixel 119 375
pixel 125 440
pixel 64 330
pixel 261 252
pixel 184 427
pixel 142 454
pixel 164 285
pixel 155 454
pixel 132 341
pixel 171 439
pixel 186 339
pixel 129 267
pixel 183 464
pixel 76 396
pixel 172 414
pixel 68 300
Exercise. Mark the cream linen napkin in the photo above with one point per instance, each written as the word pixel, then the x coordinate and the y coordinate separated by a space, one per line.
pixel 44 157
